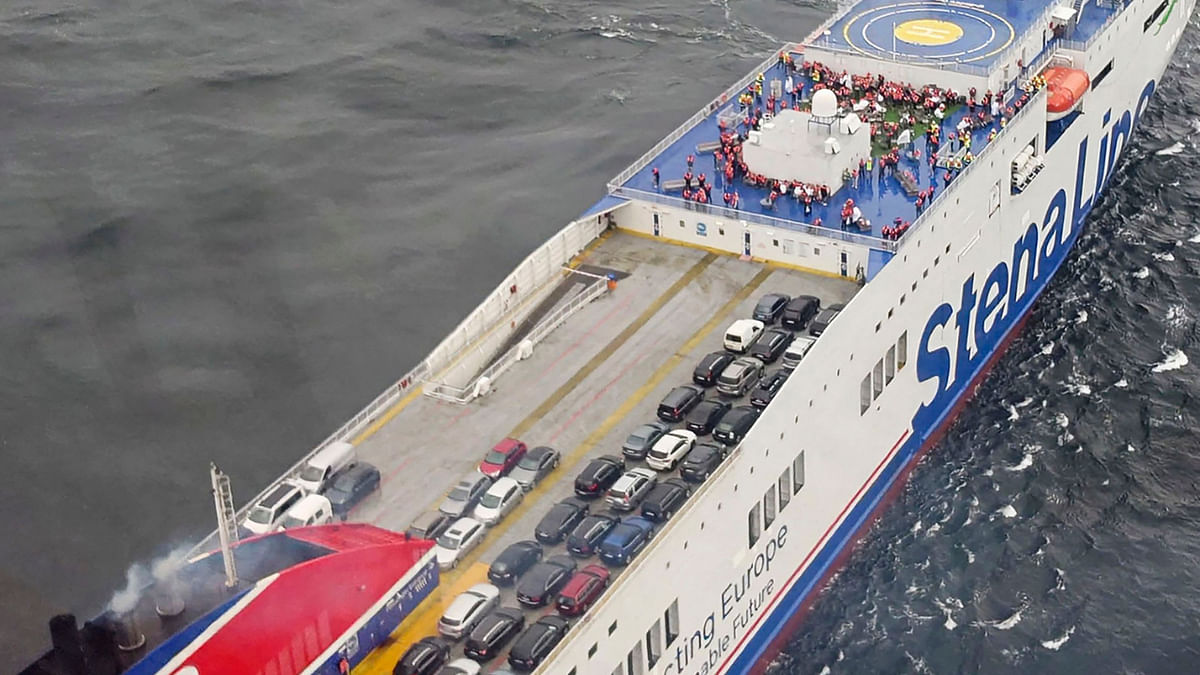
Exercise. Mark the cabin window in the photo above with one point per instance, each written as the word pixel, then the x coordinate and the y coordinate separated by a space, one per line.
pixel 902 351
pixel 654 643
pixel 864 395
pixel 1102 74
pixel 671 621
pixel 769 507
pixel 634 662
pixel 785 493
pixel 798 472
pixel 754 522
pixel 592 650
pixel 890 365
pixel 1154 15
pixel 877 377
pixel 612 628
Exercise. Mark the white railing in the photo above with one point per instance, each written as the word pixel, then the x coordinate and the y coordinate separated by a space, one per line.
pixel 1082 45
pixel 692 121
pixel 466 394
pixel 760 219
pixel 547 260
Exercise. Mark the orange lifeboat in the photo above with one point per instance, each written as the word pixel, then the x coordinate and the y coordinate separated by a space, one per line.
pixel 1067 87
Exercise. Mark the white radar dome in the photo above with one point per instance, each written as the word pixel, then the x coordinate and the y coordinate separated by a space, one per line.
pixel 824 103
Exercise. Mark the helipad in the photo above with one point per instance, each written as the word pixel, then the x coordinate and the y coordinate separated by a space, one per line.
pixel 923 31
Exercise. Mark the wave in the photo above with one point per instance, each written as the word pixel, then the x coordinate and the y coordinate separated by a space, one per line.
pixel 1057 643
pixel 1175 359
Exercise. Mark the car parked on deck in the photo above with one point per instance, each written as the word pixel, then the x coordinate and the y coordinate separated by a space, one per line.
pixel 424 657
pixel 767 387
pixel 467 609
pixel 461 667
pixel 702 461
pixel 599 475
pixel 771 345
pixel 734 425
pixel 742 334
pixel 641 439
pixel 586 536
pixel 582 590
pixel 705 416
pixel 430 525
pixel 630 488
pixel 465 494
pixel 456 542
pixel 770 306
pixel 348 487
pixel 502 458
pixel 534 466
pixel 501 498
pixel 626 540
pixel 679 401
pixel 493 632
pixel 823 319
pixel 559 520
pixel 799 311
pixel 740 377
pixel 544 580
pixel 536 643
pixel 797 351
pixel 665 499
pixel 710 367
pixel 312 510
pixel 514 561
pixel 267 513
pixel 669 449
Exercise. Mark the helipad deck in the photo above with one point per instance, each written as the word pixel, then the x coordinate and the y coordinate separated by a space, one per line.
pixel 584 389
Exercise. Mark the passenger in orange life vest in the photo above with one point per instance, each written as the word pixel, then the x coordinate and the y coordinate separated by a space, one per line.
pixel 701 180
pixel 691 159
pixel 654 172
pixel 687 194
pixel 687 180
pixel 708 192
pixel 728 199
pixel 701 196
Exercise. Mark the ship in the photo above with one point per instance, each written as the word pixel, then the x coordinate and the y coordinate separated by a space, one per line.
pixel 843 242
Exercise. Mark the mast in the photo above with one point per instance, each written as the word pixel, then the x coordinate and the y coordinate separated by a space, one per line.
pixel 226 522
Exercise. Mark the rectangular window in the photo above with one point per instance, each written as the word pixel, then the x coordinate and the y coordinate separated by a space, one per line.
pixel 654 646
pixel 671 621
pixel 798 472
pixel 890 363
pixel 864 395
pixel 902 351
pixel 769 507
pixel 785 492
pixel 612 628
pixel 755 523
pixel 1101 75
pixel 1154 15
pixel 592 650
pixel 877 378
pixel 619 670
pixel 634 660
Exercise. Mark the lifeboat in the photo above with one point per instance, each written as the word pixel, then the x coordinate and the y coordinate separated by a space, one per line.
pixel 1067 87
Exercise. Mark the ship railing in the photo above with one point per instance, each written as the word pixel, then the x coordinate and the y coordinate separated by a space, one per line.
pixel 466 394
pixel 544 263
pixel 759 219
pixel 1083 45
pixel 680 131
pixel 1036 102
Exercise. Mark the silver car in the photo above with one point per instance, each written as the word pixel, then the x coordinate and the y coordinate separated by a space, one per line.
pixel 534 466
pixel 464 496
pixel 630 489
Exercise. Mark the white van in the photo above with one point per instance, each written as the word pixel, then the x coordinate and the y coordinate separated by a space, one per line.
pixel 796 351
pixel 741 334
pixel 316 471
pixel 312 510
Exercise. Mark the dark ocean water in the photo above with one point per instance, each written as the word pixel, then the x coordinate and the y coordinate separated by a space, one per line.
pixel 225 226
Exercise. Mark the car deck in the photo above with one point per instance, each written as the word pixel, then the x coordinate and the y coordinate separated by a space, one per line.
pixel 586 386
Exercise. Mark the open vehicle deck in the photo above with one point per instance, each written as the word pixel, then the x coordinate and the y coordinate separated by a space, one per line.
pixel 584 389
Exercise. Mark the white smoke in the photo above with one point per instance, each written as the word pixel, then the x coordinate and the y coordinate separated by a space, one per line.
pixel 141 576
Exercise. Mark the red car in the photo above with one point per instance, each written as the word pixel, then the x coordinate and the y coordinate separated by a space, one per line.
pixel 582 590
pixel 502 458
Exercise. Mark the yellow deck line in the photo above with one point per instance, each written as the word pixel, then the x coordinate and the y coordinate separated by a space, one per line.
pixel 424 621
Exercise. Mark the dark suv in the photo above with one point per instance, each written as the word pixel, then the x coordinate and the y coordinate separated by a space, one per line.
pixel 665 499
pixel 536 643
pixel 559 520
pixel 734 425
pixel 710 367
pixel 771 345
pixel 799 311
pixel 702 461
pixel 770 306
pixel 679 401
pixel 598 476
pixel 823 319
pixel 767 387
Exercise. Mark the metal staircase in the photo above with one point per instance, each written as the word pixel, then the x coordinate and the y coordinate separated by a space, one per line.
pixel 226 522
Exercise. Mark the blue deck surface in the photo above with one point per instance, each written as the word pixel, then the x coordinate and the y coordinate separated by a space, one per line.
pixel 880 198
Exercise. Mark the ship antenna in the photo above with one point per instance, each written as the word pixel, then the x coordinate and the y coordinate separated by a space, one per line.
pixel 226 522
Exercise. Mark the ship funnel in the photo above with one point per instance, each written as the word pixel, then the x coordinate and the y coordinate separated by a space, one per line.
pixel 126 634
pixel 168 601
pixel 67 645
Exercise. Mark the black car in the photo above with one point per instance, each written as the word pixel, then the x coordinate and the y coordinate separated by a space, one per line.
pixel 679 401
pixel 599 475
pixel 823 319
pixel 771 345
pixel 493 631
pixel 733 426
pixel 423 658
pixel 799 311
pixel 537 642
pixel 665 499
pixel 768 387
pixel 559 520
pixel 350 486
pixel 586 536
pixel 641 439
pixel 770 306
pixel 705 416
pixel 541 583
pixel 702 461
pixel 710 367
pixel 514 561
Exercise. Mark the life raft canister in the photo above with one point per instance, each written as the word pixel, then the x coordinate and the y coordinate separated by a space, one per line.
pixel 1067 87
